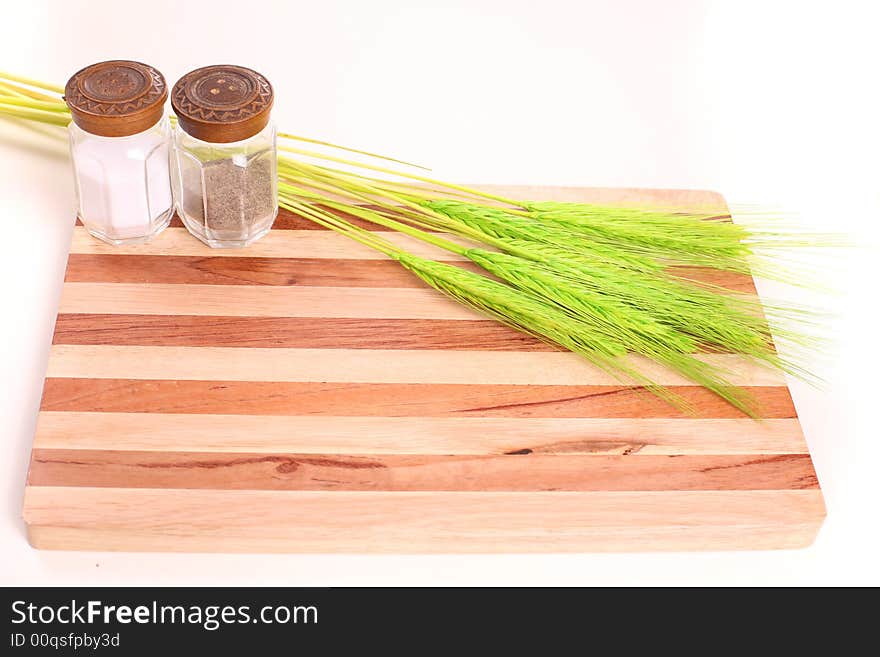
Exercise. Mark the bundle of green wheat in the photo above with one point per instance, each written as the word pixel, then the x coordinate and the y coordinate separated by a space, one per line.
pixel 593 279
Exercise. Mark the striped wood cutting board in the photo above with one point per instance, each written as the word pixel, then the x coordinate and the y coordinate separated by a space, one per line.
pixel 306 394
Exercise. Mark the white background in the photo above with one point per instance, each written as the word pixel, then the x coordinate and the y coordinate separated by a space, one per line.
pixel 767 102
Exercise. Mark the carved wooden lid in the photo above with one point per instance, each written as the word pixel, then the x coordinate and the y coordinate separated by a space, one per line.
pixel 116 98
pixel 221 104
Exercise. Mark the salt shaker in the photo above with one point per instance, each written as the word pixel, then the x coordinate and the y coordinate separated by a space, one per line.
pixel 224 146
pixel 119 144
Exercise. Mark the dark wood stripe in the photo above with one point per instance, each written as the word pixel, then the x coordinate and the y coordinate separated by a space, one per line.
pixel 741 283
pixel 303 332
pixel 389 400
pixel 297 332
pixel 219 270
pixel 512 472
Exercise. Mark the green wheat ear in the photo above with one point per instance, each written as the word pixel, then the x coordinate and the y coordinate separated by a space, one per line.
pixel 531 315
pixel 706 239
pixel 492 222
pixel 639 331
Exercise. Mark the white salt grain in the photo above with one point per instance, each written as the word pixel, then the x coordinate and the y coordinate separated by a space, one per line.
pixel 122 182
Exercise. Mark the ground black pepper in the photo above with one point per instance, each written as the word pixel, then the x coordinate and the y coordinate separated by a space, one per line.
pixel 238 200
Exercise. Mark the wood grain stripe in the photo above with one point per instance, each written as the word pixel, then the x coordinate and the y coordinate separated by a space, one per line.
pixel 370 366
pixel 277 244
pixel 391 400
pixel 304 434
pixel 297 514
pixel 741 283
pixel 220 270
pixel 301 332
pixel 567 535
pixel 260 301
pixel 339 472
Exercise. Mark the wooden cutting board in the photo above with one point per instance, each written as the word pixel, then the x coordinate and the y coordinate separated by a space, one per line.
pixel 306 394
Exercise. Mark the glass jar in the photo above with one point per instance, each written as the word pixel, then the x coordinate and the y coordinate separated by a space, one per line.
pixel 119 146
pixel 226 174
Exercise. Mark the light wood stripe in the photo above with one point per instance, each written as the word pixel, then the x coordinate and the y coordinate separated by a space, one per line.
pixel 277 244
pixel 295 514
pixel 367 366
pixel 402 472
pixel 744 536
pixel 220 270
pixel 307 332
pixel 170 432
pixel 260 301
pixel 392 400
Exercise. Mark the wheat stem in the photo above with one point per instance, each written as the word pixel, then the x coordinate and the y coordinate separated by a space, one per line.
pixel 319 142
pixel 50 106
pixel 31 82
pixel 393 172
pixel 43 116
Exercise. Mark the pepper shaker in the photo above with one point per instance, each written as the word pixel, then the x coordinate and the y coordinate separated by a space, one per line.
pixel 119 145
pixel 224 145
